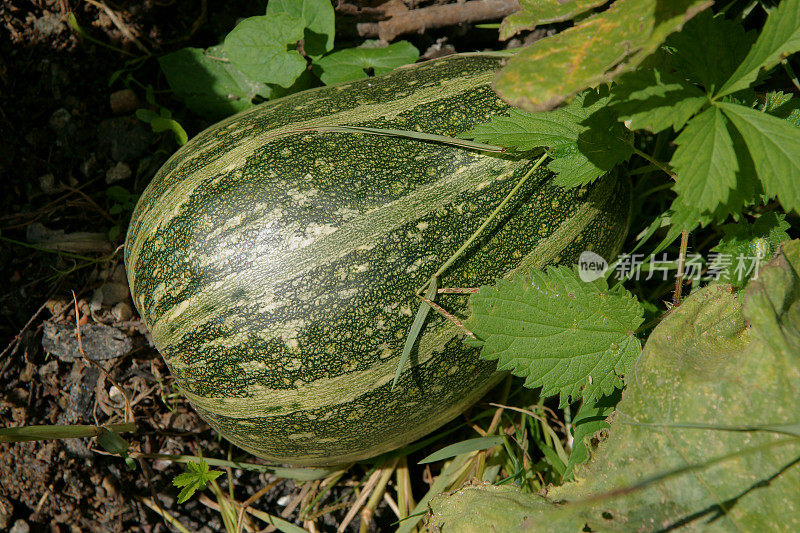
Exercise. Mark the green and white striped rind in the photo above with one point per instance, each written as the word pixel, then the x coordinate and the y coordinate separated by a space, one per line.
pixel 276 268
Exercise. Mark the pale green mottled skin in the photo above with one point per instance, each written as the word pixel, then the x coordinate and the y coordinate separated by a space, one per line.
pixel 276 272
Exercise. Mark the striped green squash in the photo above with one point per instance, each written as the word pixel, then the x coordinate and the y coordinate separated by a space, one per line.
pixel 275 266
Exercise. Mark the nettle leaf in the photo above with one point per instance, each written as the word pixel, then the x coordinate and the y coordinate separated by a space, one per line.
pixel 534 13
pixel 195 478
pixel 782 105
pixel 708 49
pixel 780 37
pixel 208 83
pixel 705 161
pixel 584 137
pixel 774 147
pixel 745 247
pixel 352 63
pixel 603 46
pixel 318 21
pixel 648 99
pixel 258 46
pixel 574 339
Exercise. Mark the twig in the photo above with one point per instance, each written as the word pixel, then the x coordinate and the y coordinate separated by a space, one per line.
pixel 16 339
pixel 654 161
pixel 128 410
pixel 120 25
pixel 437 16
pixel 365 492
pixel 676 299
pixel 168 517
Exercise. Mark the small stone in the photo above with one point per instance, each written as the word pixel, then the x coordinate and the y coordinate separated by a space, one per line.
pixel 56 307
pixel 123 101
pixel 20 526
pixel 48 184
pixel 119 172
pixel 49 25
pixel 116 396
pixel 114 292
pixel 59 120
pixel 122 312
pixel 124 138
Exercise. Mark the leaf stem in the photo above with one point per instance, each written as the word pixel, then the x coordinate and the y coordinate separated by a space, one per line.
pixel 656 162
pixel 676 299
pixel 477 232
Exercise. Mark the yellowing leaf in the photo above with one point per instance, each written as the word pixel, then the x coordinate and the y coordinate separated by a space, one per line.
pixel 537 12
pixel 545 74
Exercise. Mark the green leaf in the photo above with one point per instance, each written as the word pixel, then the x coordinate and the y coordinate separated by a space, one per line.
pixel 571 338
pixel 705 162
pixel 745 247
pixel 465 446
pixel 208 83
pixel 603 46
pixel 196 477
pixel 534 13
pixel 708 49
pixel 648 99
pixel 352 63
pixel 780 37
pixel 590 419
pixel 160 124
pixel 690 446
pixel 584 137
pixel 774 147
pixel 258 47
pixel 782 105
pixel 318 22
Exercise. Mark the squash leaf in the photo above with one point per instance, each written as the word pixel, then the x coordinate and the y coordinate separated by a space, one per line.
pixel 572 338
pixel 258 47
pixel 705 437
pixel 353 63
pixel 318 22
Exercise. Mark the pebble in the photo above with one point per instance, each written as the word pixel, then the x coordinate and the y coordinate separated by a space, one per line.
pixel 119 172
pixel 48 184
pixel 123 101
pixel 20 526
pixel 59 120
pixel 122 312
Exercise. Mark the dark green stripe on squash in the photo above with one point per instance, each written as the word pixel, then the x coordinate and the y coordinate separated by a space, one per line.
pixel 276 269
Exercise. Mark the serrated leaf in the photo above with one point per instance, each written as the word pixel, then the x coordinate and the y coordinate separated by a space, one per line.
pixel 318 22
pixel 654 101
pixel 590 418
pixel 534 13
pixel 258 47
pixel 208 83
pixel 780 37
pixel 708 49
pixel 774 147
pixel 693 444
pixel 584 137
pixel 745 247
pixel 571 338
pixel 705 162
pixel 352 63
pixel 783 105
pixel 603 46
pixel 196 478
